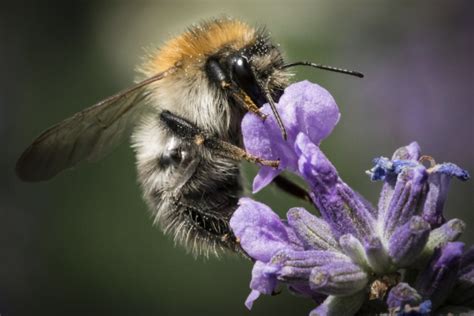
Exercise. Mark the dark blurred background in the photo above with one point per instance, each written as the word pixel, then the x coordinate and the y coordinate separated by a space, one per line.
pixel 84 243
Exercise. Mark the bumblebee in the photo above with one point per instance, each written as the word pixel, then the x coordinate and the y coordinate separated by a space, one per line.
pixel 184 117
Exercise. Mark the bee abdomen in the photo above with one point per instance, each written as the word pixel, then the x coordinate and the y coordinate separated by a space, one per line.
pixel 206 227
pixel 205 219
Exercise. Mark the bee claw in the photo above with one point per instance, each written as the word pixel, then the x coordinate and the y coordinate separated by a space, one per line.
pixel 263 116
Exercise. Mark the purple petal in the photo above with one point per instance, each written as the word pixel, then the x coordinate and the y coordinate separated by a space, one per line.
pixel 449 231
pixel 439 277
pixel 438 184
pixel 338 278
pixel 304 107
pixel 377 257
pixel 408 241
pixel 259 140
pixel 263 281
pixel 407 193
pixel 264 177
pixel 260 231
pixel 452 170
pixel 339 205
pixel 403 294
pixel 382 168
pixel 314 232
pixel 253 296
pixel 353 248
pixel 314 166
pixel 307 107
pixel 264 278
pixel 297 265
pixel 409 152
pixel 385 168
pixel 259 135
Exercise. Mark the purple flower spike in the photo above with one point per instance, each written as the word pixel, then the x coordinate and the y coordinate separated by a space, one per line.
pixel 403 294
pixel 434 196
pixel 439 278
pixel 304 107
pixel 408 241
pixel 260 230
pixel 339 205
pixel 349 258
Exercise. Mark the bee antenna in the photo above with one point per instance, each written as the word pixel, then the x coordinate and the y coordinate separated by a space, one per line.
pixel 272 104
pixel 324 67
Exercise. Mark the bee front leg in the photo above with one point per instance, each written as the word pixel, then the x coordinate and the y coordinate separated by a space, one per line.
pixel 226 149
pixel 240 97
pixel 188 131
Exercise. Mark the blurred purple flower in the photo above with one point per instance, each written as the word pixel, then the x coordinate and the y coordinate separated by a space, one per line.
pixel 354 253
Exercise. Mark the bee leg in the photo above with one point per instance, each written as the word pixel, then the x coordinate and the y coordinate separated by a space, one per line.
pixel 290 187
pixel 250 106
pixel 226 149
pixel 190 132
pixel 179 126
pixel 219 76
pixel 243 99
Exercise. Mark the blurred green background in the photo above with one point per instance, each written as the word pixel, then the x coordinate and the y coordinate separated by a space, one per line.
pixel 84 243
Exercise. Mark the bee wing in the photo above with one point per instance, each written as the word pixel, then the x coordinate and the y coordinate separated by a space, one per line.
pixel 87 135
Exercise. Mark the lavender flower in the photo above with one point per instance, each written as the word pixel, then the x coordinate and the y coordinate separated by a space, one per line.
pixel 401 257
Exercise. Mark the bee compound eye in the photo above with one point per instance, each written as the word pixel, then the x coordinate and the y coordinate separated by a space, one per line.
pixel 242 71
pixel 244 77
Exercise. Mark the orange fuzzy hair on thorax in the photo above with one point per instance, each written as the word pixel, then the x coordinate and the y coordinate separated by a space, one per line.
pixel 199 42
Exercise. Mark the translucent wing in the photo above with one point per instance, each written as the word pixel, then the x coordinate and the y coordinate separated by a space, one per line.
pixel 87 135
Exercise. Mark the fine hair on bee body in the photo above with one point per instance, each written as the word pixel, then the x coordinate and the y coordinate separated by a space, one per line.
pixel 194 202
pixel 186 115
